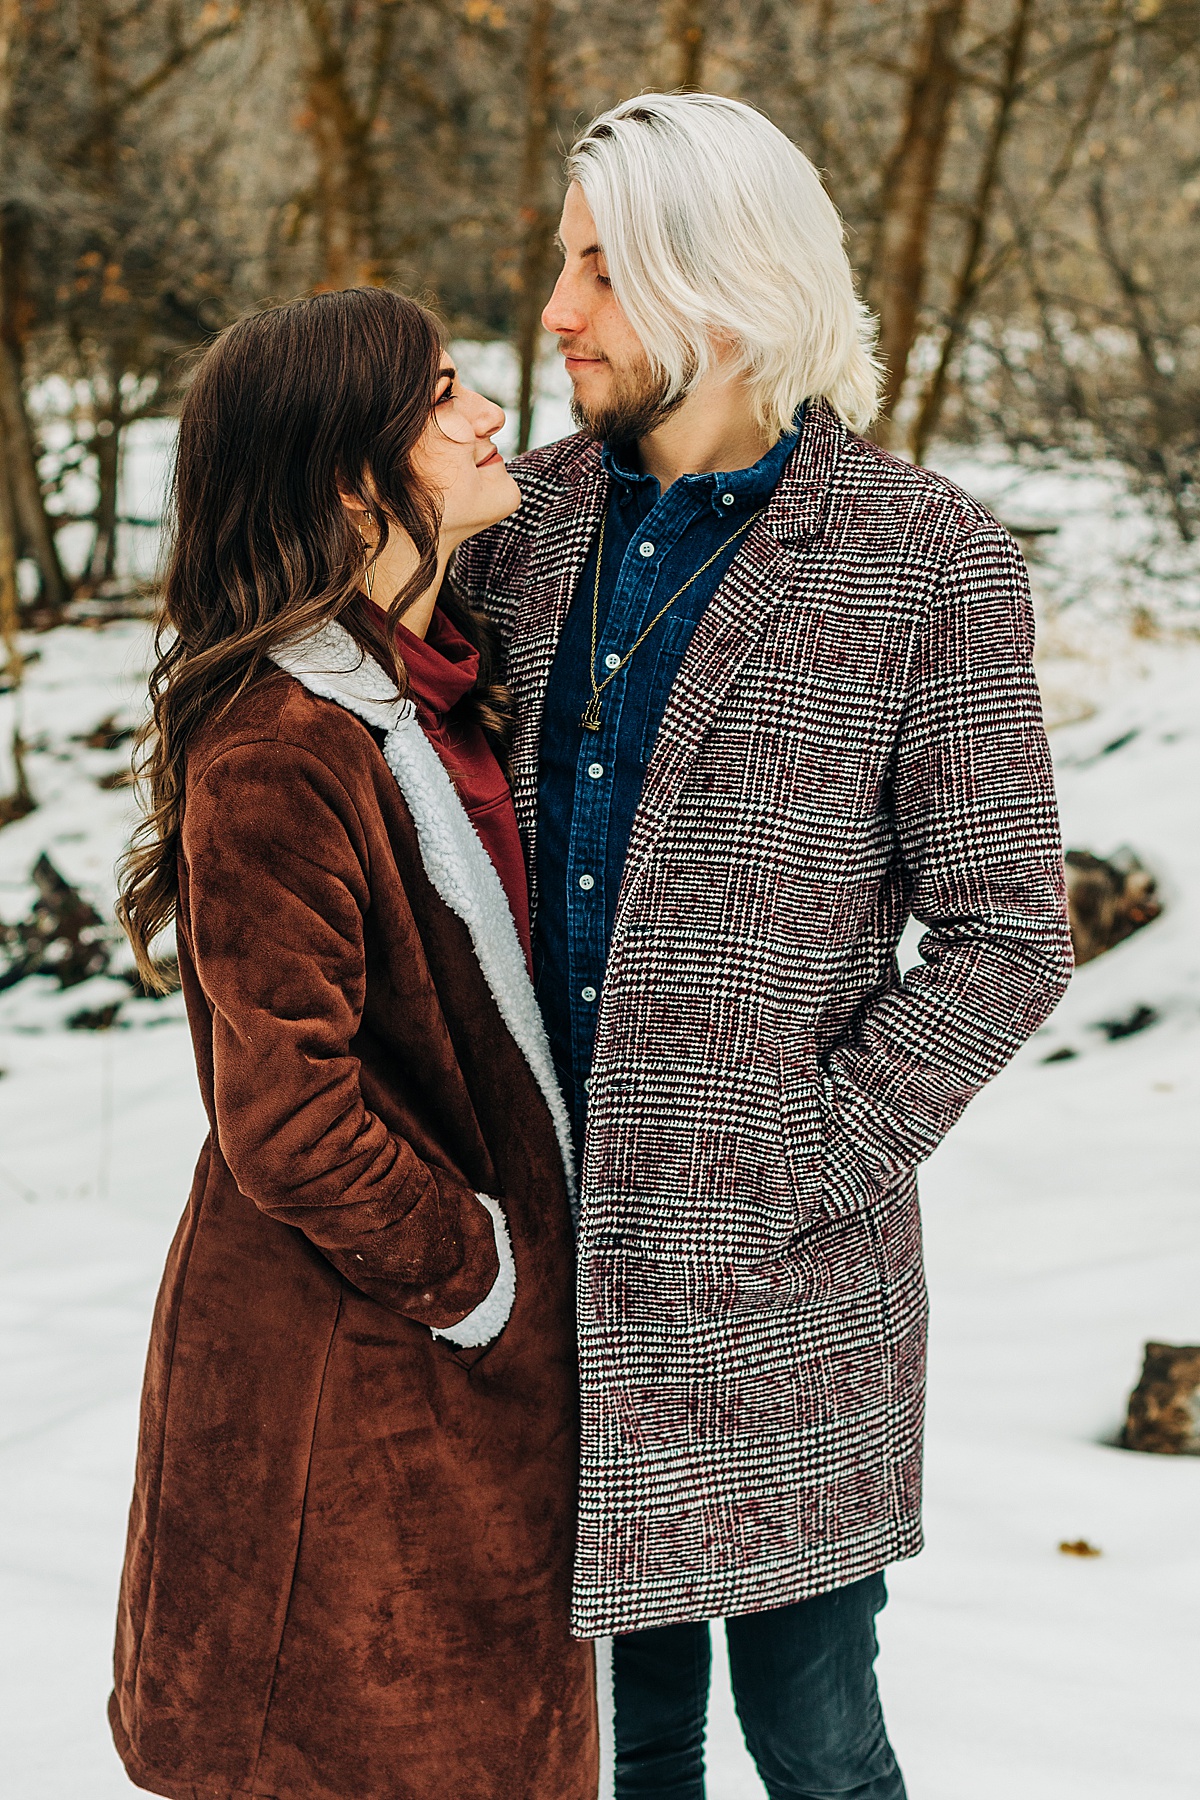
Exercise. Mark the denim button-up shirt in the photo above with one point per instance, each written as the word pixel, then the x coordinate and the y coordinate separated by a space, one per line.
pixel 590 782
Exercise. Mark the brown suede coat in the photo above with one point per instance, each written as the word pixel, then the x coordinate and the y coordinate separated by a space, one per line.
pixel 350 1546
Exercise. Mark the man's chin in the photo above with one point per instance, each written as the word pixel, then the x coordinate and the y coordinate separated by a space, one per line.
pixel 623 412
pixel 590 419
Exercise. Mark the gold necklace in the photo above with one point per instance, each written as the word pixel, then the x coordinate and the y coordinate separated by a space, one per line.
pixel 590 718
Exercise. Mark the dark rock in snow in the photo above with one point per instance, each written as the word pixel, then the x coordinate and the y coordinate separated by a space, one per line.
pixel 1164 1407
pixel 1110 898
pixel 63 936
pixel 1140 1019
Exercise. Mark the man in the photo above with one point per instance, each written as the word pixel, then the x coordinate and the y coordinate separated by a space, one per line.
pixel 775 694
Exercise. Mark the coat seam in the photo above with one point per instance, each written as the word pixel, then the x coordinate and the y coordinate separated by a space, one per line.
pixel 287 1610
pixel 132 1685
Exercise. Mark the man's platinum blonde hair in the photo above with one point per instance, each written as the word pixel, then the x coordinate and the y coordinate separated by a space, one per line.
pixel 717 232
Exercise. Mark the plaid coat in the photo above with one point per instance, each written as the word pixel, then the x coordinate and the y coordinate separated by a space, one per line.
pixel 854 736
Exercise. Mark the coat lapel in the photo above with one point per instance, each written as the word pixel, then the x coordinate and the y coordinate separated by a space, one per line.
pixel 763 571
pixel 331 665
pixel 565 536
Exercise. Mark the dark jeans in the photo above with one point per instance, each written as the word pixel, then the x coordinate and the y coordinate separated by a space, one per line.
pixel 804 1686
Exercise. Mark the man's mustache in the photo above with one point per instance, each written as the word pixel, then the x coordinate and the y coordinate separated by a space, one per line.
pixel 568 347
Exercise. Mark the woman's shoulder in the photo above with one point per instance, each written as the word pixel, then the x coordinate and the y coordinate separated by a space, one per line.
pixel 278 717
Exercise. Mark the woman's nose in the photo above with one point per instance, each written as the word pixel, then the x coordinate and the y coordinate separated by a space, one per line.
pixel 490 421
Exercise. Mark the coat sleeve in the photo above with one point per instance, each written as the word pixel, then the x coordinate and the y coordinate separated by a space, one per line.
pixel 277 890
pixel 978 828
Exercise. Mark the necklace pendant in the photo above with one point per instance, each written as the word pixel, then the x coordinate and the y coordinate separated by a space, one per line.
pixel 590 718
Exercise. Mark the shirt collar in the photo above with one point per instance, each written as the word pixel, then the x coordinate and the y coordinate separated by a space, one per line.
pixel 749 487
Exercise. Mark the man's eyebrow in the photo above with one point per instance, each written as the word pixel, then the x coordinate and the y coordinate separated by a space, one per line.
pixel 592 249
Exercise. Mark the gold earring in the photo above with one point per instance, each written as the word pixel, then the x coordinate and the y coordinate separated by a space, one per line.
pixel 368 562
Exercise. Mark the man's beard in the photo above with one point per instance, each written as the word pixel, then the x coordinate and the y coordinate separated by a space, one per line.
pixel 637 403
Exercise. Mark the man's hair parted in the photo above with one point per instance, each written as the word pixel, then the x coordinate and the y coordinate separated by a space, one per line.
pixel 716 228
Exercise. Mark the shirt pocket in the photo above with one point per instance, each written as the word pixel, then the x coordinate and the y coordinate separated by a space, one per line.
pixel 673 637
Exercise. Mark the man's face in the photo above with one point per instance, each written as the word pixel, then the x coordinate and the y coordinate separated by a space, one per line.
pixel 615 394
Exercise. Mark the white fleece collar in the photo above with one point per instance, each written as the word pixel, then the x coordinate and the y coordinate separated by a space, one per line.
pixel 330 664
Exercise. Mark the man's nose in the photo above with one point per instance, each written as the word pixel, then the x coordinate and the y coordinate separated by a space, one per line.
pixel 563 315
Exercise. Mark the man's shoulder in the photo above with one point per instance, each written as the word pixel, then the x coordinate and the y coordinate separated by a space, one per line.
pixel 556 465
pixel 913 497
pixel 543 476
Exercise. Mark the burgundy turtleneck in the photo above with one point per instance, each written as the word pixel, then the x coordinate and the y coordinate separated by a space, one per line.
pixel 442 668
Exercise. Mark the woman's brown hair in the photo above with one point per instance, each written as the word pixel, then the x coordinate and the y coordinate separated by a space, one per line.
pixel 284 408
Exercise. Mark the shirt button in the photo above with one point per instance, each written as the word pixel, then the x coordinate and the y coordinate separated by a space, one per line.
pixel 595 770
pixel 587 883
pixel 612 660
pixel 587 993
pixel 726 499
pixel 587 1086
pixel 646 548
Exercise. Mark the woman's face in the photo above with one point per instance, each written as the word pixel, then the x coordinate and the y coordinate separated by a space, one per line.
pixel 457 458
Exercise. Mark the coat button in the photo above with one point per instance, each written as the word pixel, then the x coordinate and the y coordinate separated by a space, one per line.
pixel 595 770
pixel 646 548
pixel 587 883
pixel 587 993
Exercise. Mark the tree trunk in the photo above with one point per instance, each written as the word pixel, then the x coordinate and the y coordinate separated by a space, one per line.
pixel 537 224
pixel 9 612
pixel 28 524
pixel 967 283
pixel 19 801
pixel 107 450
pixel 909 191
pixel 686 30
pixel 20 457
pixel 347 184
pixel 1172 473
pixel 335 187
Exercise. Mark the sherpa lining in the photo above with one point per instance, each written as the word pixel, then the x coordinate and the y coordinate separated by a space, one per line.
pixel 492 1314
pixel 331 665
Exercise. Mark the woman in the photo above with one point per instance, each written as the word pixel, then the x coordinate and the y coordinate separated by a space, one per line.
pixel 349 1552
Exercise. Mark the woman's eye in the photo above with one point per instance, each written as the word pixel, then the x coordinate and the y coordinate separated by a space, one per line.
pixel 447 394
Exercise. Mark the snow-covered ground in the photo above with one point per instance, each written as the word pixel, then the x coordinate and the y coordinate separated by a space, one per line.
pixel 1062 1231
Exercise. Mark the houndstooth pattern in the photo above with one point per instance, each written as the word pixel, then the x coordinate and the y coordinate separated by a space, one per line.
pixel 854 735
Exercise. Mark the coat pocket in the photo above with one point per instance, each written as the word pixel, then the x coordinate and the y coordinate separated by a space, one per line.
pixel 800 1121
pixel 481 1327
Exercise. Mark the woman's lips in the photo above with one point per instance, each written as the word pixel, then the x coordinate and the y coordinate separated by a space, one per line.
pixel 495 457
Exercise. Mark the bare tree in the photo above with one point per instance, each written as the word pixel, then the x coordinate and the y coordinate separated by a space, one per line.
pixel 16 804
pixel 537 221
pixel 686 31
pixel 910 191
